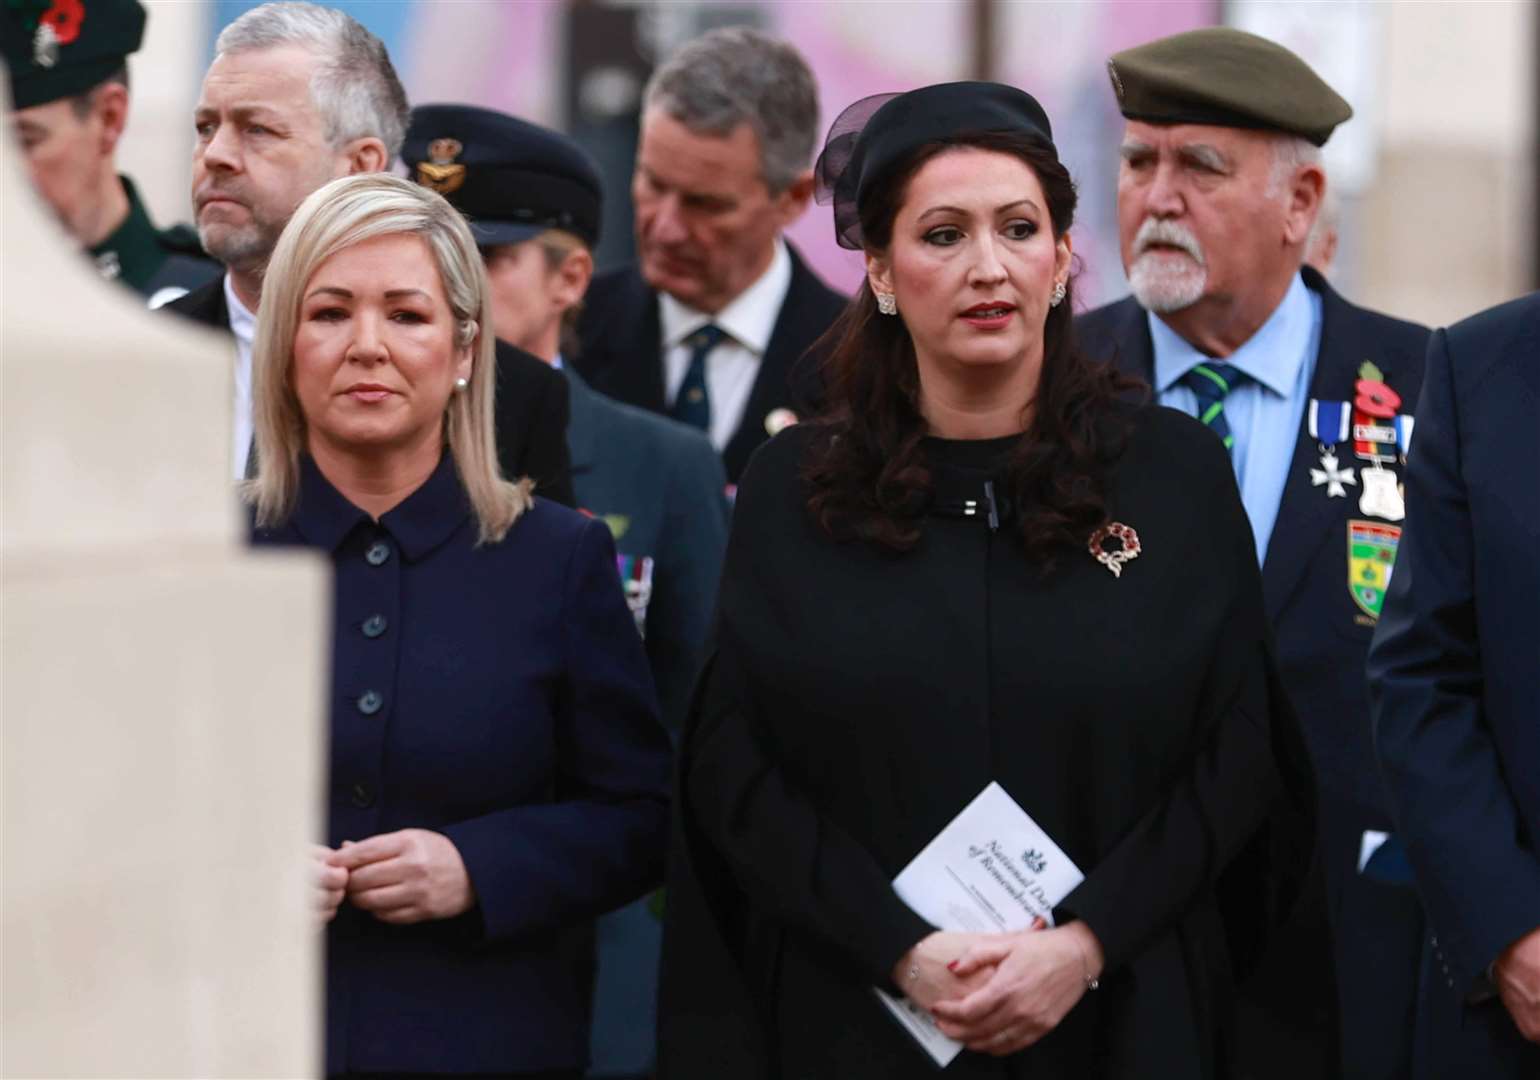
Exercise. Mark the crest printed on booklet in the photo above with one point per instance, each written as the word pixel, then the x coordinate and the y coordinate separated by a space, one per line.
pixel 1371 559
pixel 636 579
pixel 440 172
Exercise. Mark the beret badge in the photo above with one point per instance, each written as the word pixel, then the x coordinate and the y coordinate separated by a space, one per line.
pixel 440 172
pixel 1117 83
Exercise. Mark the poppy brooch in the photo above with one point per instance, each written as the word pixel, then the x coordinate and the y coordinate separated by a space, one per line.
pixel 1114 544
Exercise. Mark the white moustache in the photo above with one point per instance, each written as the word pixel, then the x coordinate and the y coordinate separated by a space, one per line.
pixel 1168 234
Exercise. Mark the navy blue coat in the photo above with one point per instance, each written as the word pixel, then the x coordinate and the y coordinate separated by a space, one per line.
pixel 1323 639
pixel 497 694
pixel 1455 677
pixel 622 353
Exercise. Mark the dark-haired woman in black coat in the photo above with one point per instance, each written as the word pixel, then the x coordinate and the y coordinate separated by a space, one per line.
pixel 980 566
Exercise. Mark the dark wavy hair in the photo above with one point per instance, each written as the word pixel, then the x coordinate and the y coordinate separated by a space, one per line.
pixel 867 477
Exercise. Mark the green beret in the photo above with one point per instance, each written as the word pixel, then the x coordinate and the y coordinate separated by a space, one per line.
pixel 59 48
pixel 1225 77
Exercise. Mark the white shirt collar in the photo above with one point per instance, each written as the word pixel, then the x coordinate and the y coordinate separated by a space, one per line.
pixel 243 323
pixel 1272 356
pixel 749 318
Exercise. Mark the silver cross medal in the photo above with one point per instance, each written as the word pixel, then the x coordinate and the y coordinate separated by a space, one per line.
pixel 1332 476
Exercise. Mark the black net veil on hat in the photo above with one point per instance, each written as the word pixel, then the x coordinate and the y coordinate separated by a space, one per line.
pixel 877 132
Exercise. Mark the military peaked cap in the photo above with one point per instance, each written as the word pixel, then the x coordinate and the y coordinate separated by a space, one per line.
pixel 511 179
pixel 59 48
pixel 1226 77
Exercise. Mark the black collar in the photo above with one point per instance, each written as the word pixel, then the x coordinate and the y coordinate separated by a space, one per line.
pixel 422 521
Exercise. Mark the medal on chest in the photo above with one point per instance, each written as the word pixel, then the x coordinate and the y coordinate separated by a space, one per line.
pixel 636 578
pixel 1381 436
pixel 1328 422
pixel 1371 559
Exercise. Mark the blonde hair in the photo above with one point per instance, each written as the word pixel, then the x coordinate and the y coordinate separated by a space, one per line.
pixel 339 215
pixel 555 245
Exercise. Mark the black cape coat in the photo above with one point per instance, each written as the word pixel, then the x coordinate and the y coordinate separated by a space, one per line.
pixel 856 700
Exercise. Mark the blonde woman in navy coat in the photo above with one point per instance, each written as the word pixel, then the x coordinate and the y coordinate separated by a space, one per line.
pixel 497 766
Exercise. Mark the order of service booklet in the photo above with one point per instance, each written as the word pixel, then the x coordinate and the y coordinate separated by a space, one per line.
pixel 991 870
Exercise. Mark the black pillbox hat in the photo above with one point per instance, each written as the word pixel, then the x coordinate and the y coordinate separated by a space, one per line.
pixel 59 48
pixel 1228 78
pixel 511 179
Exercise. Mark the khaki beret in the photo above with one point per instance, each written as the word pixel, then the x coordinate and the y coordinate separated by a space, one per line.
pixel 1225 77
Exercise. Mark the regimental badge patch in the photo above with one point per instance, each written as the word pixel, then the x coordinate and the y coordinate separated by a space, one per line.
pixel 636 578
pixel 440 172
pixel 1371 558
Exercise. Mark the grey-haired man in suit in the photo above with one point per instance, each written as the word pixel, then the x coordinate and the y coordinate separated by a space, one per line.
pixel 712 324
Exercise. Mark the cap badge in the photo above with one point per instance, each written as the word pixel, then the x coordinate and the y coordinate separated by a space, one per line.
pixel 59 25
pixel 440 172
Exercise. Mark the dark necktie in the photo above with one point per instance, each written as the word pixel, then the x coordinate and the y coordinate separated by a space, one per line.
pixel 1211 382
pixel 692 405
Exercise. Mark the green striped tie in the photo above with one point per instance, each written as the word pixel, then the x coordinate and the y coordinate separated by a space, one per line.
pixel 1211 382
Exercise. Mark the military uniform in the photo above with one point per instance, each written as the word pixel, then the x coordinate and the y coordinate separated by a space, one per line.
pixel 159 264
pixel 57 49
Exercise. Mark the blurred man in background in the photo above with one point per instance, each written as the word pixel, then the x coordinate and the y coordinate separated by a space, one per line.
pixel 299 95
pixel 1219 188
pixel 710 325
pixel 68 64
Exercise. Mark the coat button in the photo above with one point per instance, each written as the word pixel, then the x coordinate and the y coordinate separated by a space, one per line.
pixel 378 552
pixel 374 626
pixel 361 796
pixel 370 702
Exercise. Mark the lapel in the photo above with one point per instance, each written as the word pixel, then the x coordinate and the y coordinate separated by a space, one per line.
pixel 205 305
pixel 802 318
pixel 580 422
pixel 1306 517
pixel 635 371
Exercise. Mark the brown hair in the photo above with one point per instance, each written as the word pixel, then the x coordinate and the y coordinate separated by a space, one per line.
pixel 867 475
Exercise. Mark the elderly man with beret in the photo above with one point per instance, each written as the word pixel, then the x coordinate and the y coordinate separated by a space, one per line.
pixel 68 65
pixel 1219 186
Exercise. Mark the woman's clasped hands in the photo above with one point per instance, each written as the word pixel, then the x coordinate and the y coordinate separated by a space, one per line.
pixel 1000 993
pixel 408 876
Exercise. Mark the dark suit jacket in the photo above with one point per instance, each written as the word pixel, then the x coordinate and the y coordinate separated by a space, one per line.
pixel 531 402
pixel 1455 670
pixel 1323 638
pixel 497 694
pixel 622 351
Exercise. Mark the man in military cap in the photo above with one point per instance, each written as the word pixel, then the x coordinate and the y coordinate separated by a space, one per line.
pixel 711 325
pixel 1219 186
pixel 533 200
pixel 299 95
pixel 68 63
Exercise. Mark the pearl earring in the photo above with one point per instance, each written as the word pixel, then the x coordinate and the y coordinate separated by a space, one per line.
pixel 461 385
pixel 1058 295
pixel 887 304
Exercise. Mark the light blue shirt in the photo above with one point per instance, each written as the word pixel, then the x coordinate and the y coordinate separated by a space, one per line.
pixel 1264 411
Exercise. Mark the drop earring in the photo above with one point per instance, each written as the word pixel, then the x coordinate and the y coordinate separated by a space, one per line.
pixel 887 304
pixel 1058 294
